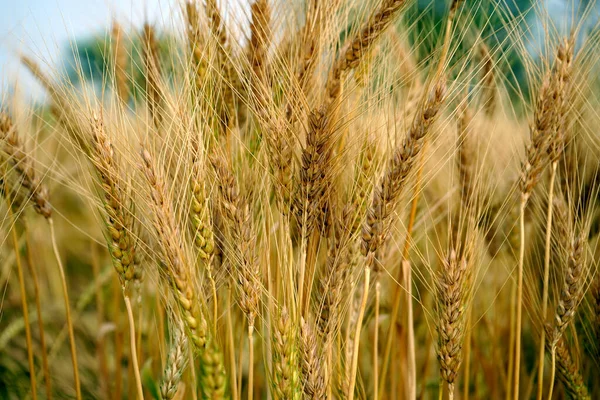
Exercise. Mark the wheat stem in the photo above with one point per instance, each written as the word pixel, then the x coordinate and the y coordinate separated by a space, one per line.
pixel 250 361
pixel 519 299
pixel 100 345
pixel 411 386
pixel 511 339
pixel 545 289
pixel 552 371
pixel 361 313
pixel 376 340
pixel 23 294
pixel 397 293
pixel 65 294
pixel 38 306
pixel 231 343
pixel 467 357
pixel 136 369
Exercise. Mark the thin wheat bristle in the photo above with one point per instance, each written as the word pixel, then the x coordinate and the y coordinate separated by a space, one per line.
pixel 60 106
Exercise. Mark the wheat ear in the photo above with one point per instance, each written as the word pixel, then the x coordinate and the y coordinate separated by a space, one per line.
pixel 489 90
pixel 177 266
pixel 312 363
pixel 569 372
pixel 201 222
pixel 120 60
pixel 114 198
pixel 562 72
pixel 541 134
pixel 153 74
pixel 260 39
pixel 451 294
pixel 389 188
pixel 571 295
pixel 213 377
pixel 286 379
pixel 39 194
pixel 119 224
pixel 237 214
pixel 176 363
pixel 360 44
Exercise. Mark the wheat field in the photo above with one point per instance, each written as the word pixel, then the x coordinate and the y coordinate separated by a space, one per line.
pixel 337 200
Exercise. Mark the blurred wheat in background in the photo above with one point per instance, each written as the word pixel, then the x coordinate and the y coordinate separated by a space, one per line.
pixel 307 200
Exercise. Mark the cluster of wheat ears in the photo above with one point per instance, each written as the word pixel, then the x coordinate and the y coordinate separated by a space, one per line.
pixel 309 209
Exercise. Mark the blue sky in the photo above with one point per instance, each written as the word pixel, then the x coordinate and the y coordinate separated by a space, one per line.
pixel 43 28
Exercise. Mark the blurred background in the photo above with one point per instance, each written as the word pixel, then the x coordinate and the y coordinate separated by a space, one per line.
pixel 58 32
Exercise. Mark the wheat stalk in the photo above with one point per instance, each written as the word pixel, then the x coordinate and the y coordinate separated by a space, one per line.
pixel 543 135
